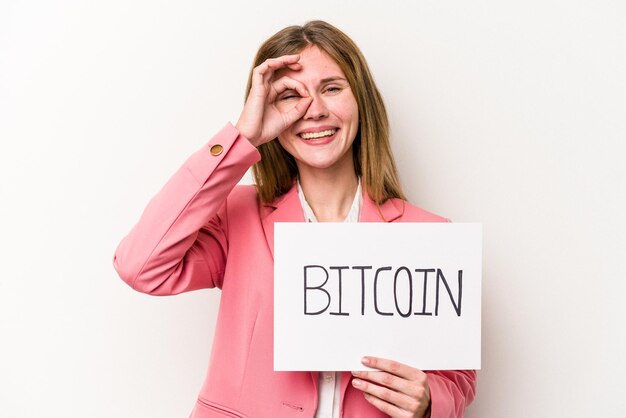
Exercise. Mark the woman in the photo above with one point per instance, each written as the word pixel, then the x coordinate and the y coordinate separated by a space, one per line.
pixel 314 129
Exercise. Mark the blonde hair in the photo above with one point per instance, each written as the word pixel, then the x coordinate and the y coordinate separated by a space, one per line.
pixel 373 161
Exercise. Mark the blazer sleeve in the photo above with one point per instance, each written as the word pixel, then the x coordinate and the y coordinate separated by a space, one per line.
pixel 451 391
pixel 180 242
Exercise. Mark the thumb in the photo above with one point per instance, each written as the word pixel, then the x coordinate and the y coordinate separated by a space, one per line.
pixel 298 110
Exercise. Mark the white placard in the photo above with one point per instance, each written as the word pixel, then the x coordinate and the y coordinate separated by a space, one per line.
pixel 405 291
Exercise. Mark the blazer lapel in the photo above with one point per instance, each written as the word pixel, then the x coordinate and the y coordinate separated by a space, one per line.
pixel 286 208
pixel 389 211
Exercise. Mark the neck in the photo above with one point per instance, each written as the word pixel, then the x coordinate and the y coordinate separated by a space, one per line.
pixel 329 192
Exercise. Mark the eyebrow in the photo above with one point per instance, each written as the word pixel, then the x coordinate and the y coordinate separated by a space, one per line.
pixel 330 79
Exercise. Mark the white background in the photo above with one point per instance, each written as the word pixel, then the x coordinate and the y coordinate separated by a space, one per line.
pixel 508 113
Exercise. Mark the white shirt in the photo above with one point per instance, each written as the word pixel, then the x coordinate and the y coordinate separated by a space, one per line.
pixel 329 383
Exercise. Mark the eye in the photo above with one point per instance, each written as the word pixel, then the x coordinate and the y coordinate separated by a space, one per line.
pixel 333 89
pixel 288 95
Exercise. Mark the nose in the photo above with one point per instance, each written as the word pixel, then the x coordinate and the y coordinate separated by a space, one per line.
pixel 317 109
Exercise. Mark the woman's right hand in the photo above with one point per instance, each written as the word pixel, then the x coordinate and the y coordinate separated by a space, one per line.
pixel 261 120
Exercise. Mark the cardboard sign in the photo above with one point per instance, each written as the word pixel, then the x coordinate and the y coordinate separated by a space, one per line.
pixel 404 291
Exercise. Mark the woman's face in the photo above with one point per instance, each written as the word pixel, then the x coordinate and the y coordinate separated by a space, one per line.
pixel 323 137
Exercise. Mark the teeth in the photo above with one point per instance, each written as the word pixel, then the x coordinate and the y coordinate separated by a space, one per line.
pixel 314 135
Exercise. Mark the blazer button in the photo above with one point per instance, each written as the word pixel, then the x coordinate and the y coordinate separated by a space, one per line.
pixel 216 150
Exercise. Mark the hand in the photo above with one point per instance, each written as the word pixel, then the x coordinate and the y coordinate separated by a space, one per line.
pixel 261 121
pixel 398 390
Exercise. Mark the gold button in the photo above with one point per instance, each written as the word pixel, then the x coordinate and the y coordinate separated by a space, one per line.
pixel 216 150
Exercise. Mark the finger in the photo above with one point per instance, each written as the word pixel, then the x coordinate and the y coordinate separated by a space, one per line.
pixel 391 381
pixel 270 65
pixel 263 73
pixel 296 112
pixel 397 399
pixel 285 83
pixel 287 59
pixel 394 367
pixel 385 407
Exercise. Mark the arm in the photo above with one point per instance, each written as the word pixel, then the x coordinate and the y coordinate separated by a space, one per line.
pixel 179 243
pixel 451 391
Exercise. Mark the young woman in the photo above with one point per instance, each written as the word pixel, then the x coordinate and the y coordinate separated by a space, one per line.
pixel 314 129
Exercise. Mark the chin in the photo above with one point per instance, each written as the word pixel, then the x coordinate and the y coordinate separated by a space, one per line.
pixel 327 162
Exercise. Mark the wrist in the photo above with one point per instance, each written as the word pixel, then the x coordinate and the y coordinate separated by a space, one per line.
pixel 243 132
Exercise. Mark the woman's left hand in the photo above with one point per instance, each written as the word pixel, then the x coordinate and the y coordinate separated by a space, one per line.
pixel 398 390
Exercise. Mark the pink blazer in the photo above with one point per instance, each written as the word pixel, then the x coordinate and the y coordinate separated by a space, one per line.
pixel 203 231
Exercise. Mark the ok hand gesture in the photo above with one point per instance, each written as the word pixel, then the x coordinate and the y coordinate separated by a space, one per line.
pixel 261 121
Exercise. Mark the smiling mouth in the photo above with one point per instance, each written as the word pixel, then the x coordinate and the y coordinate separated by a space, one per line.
pixel 317 135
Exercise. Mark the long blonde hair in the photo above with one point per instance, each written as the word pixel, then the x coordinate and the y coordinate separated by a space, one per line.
pixel 373 161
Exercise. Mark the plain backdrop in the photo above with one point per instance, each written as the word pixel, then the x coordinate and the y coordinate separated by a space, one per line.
pixel 509 113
